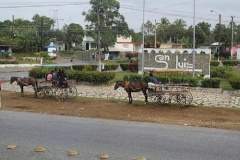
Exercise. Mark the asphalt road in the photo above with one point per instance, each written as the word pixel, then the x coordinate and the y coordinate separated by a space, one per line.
pixel 121 140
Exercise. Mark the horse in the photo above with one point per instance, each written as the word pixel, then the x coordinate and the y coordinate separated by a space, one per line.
pixel 130 87
pixel 26 81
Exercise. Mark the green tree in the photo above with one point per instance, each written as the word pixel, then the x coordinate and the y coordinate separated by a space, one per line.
pixel 43 26
pixel 111 23
pixel 74 34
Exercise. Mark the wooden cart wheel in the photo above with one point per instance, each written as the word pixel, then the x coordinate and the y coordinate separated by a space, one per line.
pixel 189 98
pixel 61 94
pixel 185 98
pixel 49 92
pixel 41 93
pixel 72 92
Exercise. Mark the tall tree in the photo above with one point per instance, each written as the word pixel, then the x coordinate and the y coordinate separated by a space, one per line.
pixel 43 26
pixel 110 23
pixel 74 34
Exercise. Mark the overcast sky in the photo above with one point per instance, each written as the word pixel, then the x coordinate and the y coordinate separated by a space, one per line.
pixel 131 9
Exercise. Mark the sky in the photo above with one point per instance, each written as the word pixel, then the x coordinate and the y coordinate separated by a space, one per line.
pixel 70 11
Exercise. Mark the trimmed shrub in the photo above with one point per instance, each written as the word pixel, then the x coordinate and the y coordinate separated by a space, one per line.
pixel 235 82
pixel 8 62
pixel 211 83
pixel 124 66
pixel 214 63
pixel 91 77
pixel 218 72
pixel 79 76
pixel 85 67
pixel 230 62
pixel 133 67
pixel 110 67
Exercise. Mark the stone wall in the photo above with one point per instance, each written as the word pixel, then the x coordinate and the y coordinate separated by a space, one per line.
pixel 201 96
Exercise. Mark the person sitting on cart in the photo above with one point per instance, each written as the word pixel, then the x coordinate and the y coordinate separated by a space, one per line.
pixel 62 79
pixel 55 77
pixel 49 76
pixel 153 82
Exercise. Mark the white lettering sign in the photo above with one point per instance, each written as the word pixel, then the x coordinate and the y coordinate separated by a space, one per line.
pixel 162 59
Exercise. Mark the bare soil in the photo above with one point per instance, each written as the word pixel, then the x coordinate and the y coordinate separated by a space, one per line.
pixel 224 118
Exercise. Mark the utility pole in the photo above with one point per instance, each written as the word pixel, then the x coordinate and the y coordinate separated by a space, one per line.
pixel 219 35
pixel 232 40
pixel 143 38
pixel 98 36
pixel 41 34
pixel 155 44
pixel 194 36
pixel 13 21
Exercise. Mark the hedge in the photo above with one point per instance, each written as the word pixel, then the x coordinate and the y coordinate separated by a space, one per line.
pixel 79 76
pixel 164 80
pixel 124 66
pixel 218 72
pixel 230 62
pixel 234 78
pixel 211 83
pixel 85 67
pixel 91 77
pixel 215 63
pixel 110 67
pixel 235 82
pixel 8 62
pixel 133 67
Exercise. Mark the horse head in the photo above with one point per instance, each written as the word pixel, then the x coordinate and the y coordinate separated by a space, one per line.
pixel 119 84
pixel 13 79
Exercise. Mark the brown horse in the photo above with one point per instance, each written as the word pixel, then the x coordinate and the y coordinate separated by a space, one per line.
pixel 26 81
pixel 130 87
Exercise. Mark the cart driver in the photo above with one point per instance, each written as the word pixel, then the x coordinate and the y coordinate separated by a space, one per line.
pixel 153 82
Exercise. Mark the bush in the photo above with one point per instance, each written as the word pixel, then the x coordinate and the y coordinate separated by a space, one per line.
pixel 214 63
pixel 91 77
pixel 85 67
pixel 133 67
pixel 230 62
pixel 235 82
pixel 8 62
pixel 110 67
pixel 133 78
pixel 124 66
pixel 79 76
pixel 211 83
pixel 218 72
pixel 234 78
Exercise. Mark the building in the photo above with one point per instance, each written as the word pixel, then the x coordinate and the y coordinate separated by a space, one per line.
pixel 88 43
pixel 5 49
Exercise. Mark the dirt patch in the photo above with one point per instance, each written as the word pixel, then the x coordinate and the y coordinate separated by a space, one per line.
pixel 84 107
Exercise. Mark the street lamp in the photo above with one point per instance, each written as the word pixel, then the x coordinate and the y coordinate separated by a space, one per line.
pixel 143 38
pixel 194 36
pixel 220 21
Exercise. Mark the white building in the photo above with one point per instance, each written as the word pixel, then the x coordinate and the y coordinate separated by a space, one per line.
pixel 88 43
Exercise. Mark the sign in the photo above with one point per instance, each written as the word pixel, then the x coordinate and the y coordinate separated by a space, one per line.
pixel 179 60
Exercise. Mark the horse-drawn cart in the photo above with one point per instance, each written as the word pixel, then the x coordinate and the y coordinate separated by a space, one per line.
pixel 170 94
pixel 49 89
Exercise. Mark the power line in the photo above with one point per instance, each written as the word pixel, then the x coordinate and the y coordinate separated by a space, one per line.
pixel 43 5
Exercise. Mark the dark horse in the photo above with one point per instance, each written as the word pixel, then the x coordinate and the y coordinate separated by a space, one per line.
pixel 22 82
pixel 133 87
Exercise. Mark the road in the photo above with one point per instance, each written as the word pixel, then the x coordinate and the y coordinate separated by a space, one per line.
pixel 121 140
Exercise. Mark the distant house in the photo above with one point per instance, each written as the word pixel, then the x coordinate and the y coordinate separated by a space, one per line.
pixel 123 46
pixel 88 43
pixel 5 49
